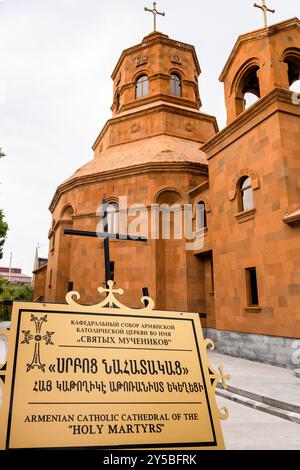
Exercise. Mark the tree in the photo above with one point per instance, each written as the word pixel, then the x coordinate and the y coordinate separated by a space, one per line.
pixel 11 292
pixel 3 224
pixel 3 232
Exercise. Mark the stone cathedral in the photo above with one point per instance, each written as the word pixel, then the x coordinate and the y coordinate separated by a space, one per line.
pixel 159 148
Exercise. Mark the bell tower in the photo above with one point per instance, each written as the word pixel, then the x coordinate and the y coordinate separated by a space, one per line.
pixel 261 61
pixel 258 152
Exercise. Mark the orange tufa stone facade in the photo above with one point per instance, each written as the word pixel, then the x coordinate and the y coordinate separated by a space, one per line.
pixel 158 148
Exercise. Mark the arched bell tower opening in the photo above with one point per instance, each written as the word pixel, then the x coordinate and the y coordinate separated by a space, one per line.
pixel 260 63
pixel 247 89
pixel 292 59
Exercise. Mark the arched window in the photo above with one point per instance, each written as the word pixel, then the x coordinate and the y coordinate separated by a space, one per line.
pixel 67 213
pixel 175 85
pixel 112 217
pixel 142 87
pixel 246 199
pixel 201 216
pixel 292 59
pixel 53 233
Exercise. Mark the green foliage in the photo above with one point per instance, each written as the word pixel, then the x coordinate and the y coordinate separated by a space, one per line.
pixel 3 232
pixel 3 225
pixel 12 292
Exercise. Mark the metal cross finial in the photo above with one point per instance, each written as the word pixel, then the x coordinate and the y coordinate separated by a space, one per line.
pixel 264 9
pixel 155 13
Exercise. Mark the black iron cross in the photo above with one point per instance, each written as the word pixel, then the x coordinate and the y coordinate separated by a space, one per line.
pixel 106 236
pixel 155 12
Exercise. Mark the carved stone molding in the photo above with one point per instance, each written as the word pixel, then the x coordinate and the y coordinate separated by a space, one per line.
pixel 141 61
pixel 176 59
pixel 135 128
pixel 201 198
pixel 188 125
pixel 244 172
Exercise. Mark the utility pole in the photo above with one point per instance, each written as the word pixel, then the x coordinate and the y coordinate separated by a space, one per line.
pixel 10 264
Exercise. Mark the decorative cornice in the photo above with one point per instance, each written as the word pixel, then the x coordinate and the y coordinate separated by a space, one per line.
pixel 161 97
pixel 247 118
pixel 149 42
pixel 170 167
pixel 257 34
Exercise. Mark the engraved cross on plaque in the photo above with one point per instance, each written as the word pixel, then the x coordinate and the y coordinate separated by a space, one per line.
pixel 37 338
pixel 265 10
pixel 155 13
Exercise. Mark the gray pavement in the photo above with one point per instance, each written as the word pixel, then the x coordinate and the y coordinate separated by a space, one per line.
pixel 261 380
pixel 249 429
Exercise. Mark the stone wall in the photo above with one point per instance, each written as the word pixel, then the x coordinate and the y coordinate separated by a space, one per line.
pixel 274 350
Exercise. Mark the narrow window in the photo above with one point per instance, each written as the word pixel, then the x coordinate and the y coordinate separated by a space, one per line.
pixel 175 84
pixel 252 287
pixel 53 236
pixel 212 275
pixel 70 286
pixel 142 87
pixel 113 218
pixel 118 103
pixel 201 216
pixel 50 279
pixel 246 199
pixel 53 241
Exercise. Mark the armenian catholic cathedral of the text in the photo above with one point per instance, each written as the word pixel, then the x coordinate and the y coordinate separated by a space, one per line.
pixel 159 148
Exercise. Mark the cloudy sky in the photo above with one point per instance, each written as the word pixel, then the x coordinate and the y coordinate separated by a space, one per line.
pixel 56 58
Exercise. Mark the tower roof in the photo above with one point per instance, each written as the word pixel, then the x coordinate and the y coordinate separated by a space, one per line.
pixel 255 35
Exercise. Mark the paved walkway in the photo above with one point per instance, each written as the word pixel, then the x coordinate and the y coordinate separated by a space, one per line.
pixel 249 429
pixel 259 379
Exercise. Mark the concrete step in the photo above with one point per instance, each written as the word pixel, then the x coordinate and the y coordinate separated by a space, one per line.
pixel 259 405
pixel 263 399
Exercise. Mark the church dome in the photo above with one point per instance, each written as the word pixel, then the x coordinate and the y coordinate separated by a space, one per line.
pixel 158 149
